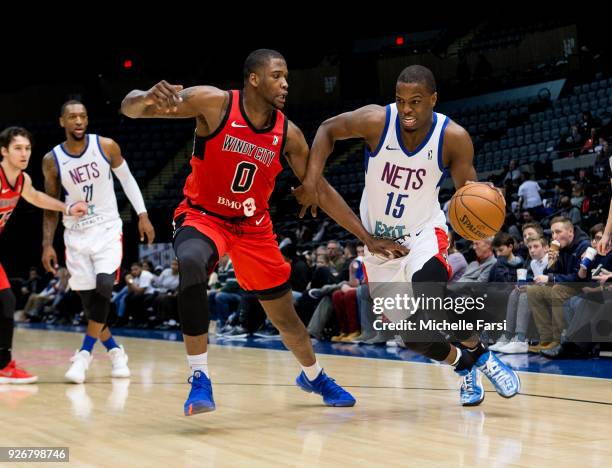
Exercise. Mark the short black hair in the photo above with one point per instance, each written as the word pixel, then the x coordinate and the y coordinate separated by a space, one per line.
pixel 7 135
pixel 70 102
pixel 503 238
pixel 257 59
pixel 418 74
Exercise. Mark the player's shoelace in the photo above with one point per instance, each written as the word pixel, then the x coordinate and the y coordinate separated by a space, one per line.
pixel 499 374
pixel 467 384
pixel 330 388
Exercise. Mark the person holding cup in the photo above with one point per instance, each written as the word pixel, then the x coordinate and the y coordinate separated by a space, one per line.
pixel 514 339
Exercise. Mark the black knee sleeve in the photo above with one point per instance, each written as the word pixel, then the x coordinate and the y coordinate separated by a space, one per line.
pixel 197 256
pixel 104 285
pixel 7 304
pixel 7 325
pixel 95 305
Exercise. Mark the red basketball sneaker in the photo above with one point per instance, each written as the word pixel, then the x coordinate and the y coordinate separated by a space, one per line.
pixel 15 375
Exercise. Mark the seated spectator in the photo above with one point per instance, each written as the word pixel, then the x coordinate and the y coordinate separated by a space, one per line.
pixel 570 211
pixel 514 339
pixel 556 285
pixel 34 284
pixel 514 173
pixel 504 269
pixel 165 304
pixel 52 293
pixel 456 259
pixel 530 230
pixel 140 295
pixel 345 298
pixel 336 260
pixel 224 298
pixel 478 271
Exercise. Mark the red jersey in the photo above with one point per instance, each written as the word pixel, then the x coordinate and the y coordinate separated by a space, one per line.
pixel 9 196
pixel 233 170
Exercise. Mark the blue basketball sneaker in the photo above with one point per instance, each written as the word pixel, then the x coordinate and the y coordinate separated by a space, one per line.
pixel 200 398
pixel 472 392
pixel 333 394
pixel 503 378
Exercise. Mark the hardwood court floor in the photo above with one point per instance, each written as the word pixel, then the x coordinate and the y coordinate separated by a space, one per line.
pixel 407 413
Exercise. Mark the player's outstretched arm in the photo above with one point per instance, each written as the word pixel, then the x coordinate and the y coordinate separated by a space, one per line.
pixel 44 201
pixel 366 122
pixel 296 152
pixel 168 101
pixel 604 246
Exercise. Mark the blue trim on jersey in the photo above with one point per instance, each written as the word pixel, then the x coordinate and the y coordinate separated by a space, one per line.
pixel 445 173
pixel 101 150
pixel 423 143
pixel 383 137
pixel 74 155
pixel 441 144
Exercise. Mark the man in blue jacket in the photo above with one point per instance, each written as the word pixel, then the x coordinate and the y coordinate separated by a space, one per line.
pixel 556 285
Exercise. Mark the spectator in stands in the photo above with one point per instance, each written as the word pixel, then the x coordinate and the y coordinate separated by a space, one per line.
pixel 504 270
pixel 514 339
pixel 529 196
pixel 223 300
pixel 514 173
pixel 33 284
pixel 334 255
pixel 456 259
pixel 570 211
pixel 344 299
pixel 529 231
pixel 590 142
pixel 300 273
pixel 52 293
pixel 165 304
pixel 478 271
pixel 147 265
pixel 555 286
pixel 140 294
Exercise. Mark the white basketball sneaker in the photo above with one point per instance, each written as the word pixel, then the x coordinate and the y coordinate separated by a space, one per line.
pixel 119 362
pixel 80 364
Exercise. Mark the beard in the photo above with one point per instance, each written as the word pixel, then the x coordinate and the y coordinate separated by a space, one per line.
pixel 78 138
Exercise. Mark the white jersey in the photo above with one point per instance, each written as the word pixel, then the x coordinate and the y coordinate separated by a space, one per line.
pixel 401 187
pixel 87 177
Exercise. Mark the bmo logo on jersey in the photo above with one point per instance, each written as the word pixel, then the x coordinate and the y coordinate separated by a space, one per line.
pixel 248 206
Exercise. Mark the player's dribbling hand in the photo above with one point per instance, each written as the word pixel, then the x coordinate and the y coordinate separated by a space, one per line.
pixel 164 96
pixel 603 246
pixel 490 184
pixel 49 258
pixel 145 228
pixel 78 209
pixel 306 195
pixel 386 248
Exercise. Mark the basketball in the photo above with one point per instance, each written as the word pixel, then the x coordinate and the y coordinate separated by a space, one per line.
pixel 476 211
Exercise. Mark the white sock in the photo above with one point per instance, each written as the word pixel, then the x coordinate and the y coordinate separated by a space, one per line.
pixel 199 362
pixel 312 372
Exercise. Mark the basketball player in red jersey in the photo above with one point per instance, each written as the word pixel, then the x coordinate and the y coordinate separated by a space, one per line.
pixel 16 148
pixel 239 139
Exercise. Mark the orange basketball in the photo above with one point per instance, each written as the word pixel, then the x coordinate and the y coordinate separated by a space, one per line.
pixel 477 211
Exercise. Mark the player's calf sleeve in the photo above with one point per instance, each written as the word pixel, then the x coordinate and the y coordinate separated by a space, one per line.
pixel 97 302
pixel 436 351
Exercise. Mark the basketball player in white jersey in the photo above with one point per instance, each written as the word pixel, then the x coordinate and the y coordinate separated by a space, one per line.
pixel 82 169
pixel 410 149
